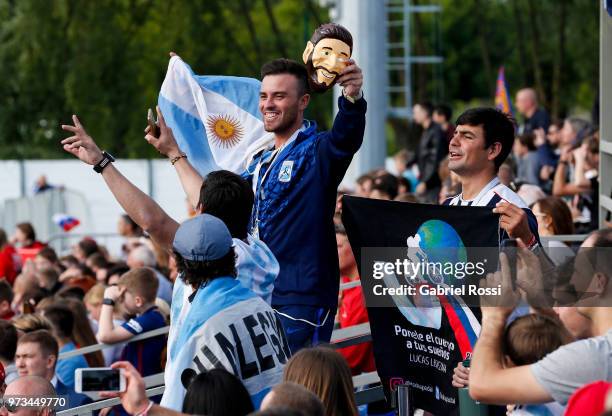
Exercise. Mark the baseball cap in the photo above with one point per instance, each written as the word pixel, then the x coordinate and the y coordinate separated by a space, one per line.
pixel 202 238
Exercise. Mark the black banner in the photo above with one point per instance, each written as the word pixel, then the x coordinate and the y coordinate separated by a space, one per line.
pixel 419 271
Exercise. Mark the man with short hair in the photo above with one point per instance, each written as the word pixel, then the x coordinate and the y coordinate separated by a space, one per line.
pixel 534 117
pixel 29 387
pixel 431 150
pixel 482 141
pixel 36 355
pixel 559 374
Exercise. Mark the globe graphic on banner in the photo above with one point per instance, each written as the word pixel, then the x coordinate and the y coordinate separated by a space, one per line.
pixel 441 244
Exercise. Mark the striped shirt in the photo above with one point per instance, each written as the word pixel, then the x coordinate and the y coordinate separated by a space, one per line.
pixel 490 195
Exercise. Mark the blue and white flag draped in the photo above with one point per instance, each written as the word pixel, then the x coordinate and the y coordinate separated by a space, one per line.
pixel 215 119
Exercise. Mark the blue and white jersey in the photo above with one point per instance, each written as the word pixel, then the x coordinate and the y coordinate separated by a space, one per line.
pixel 257 267
pixel 225 326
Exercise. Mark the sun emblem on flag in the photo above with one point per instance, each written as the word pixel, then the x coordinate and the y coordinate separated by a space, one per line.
pixel 226 130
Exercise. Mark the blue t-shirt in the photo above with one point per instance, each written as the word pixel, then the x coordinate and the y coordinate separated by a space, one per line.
pixel 146 355
pixel 66 366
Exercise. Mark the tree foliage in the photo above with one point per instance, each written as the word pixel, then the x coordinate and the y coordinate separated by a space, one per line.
pixel 105 59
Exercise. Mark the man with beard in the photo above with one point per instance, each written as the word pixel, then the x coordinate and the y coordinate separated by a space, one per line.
pixel 326 55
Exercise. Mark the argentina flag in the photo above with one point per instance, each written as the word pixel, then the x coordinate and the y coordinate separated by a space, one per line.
pixel 215 119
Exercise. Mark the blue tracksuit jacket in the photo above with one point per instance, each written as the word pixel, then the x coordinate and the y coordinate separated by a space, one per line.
pixel 295 206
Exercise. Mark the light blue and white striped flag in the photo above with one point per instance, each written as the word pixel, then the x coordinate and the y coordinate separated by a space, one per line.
pixel 215 119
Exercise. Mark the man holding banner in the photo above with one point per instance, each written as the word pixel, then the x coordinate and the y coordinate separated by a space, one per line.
pixel 294 178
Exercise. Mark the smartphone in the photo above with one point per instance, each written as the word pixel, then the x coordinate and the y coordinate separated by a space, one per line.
pixel 89 380
pixel 509 247
pixel 152 123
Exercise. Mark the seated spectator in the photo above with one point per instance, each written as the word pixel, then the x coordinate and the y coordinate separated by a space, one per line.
pixel 574 131
pixel 8 345
pixel 526 155
pixel 324 372
pixel 48 280
pixel 99 264
pixel 36 355
pixel 6 300
pixel 292 396
pixel 68 261
pixel 558 375
pixel 83 334
pixel 93 302
pixel 62 325
pixel 84 248
pixel 142 256
pixel 79 276
pixel 136 292
pixel 352 308
pixel 114 273
pixel 25 237
pixel 8 259
pixel 585 181
pixel 527 340
pixel 31 322
pixel 47 258
pixel 25 241
pixel 554 218
pixel 30 387
pixel 216 392
pixel 26 293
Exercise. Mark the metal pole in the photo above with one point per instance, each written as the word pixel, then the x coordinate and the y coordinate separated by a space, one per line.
pixel 366 20
pixel 408 59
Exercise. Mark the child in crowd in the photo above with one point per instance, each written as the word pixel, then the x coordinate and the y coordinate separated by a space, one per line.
pixel 136 292
pixel 527 340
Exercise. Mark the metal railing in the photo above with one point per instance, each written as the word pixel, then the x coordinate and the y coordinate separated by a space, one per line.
pixel 340 338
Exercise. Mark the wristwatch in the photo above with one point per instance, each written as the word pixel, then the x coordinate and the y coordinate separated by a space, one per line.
pixel 108 301
pixel 107 158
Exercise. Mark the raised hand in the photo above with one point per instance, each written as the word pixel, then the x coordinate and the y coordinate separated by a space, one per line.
pixel 165 143
pixel 351 78
pixel 81 144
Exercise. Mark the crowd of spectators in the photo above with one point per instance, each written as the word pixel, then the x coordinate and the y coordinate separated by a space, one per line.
pixel 53 303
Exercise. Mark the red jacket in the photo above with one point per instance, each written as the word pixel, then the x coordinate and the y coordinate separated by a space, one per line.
pixel 353 311
pixel 8 266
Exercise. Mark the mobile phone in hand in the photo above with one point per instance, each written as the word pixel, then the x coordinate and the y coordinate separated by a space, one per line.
pixel 154 128
pixel 90 380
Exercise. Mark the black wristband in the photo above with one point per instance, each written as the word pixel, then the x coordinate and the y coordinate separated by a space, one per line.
pixel 106 160
pixel 108 301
